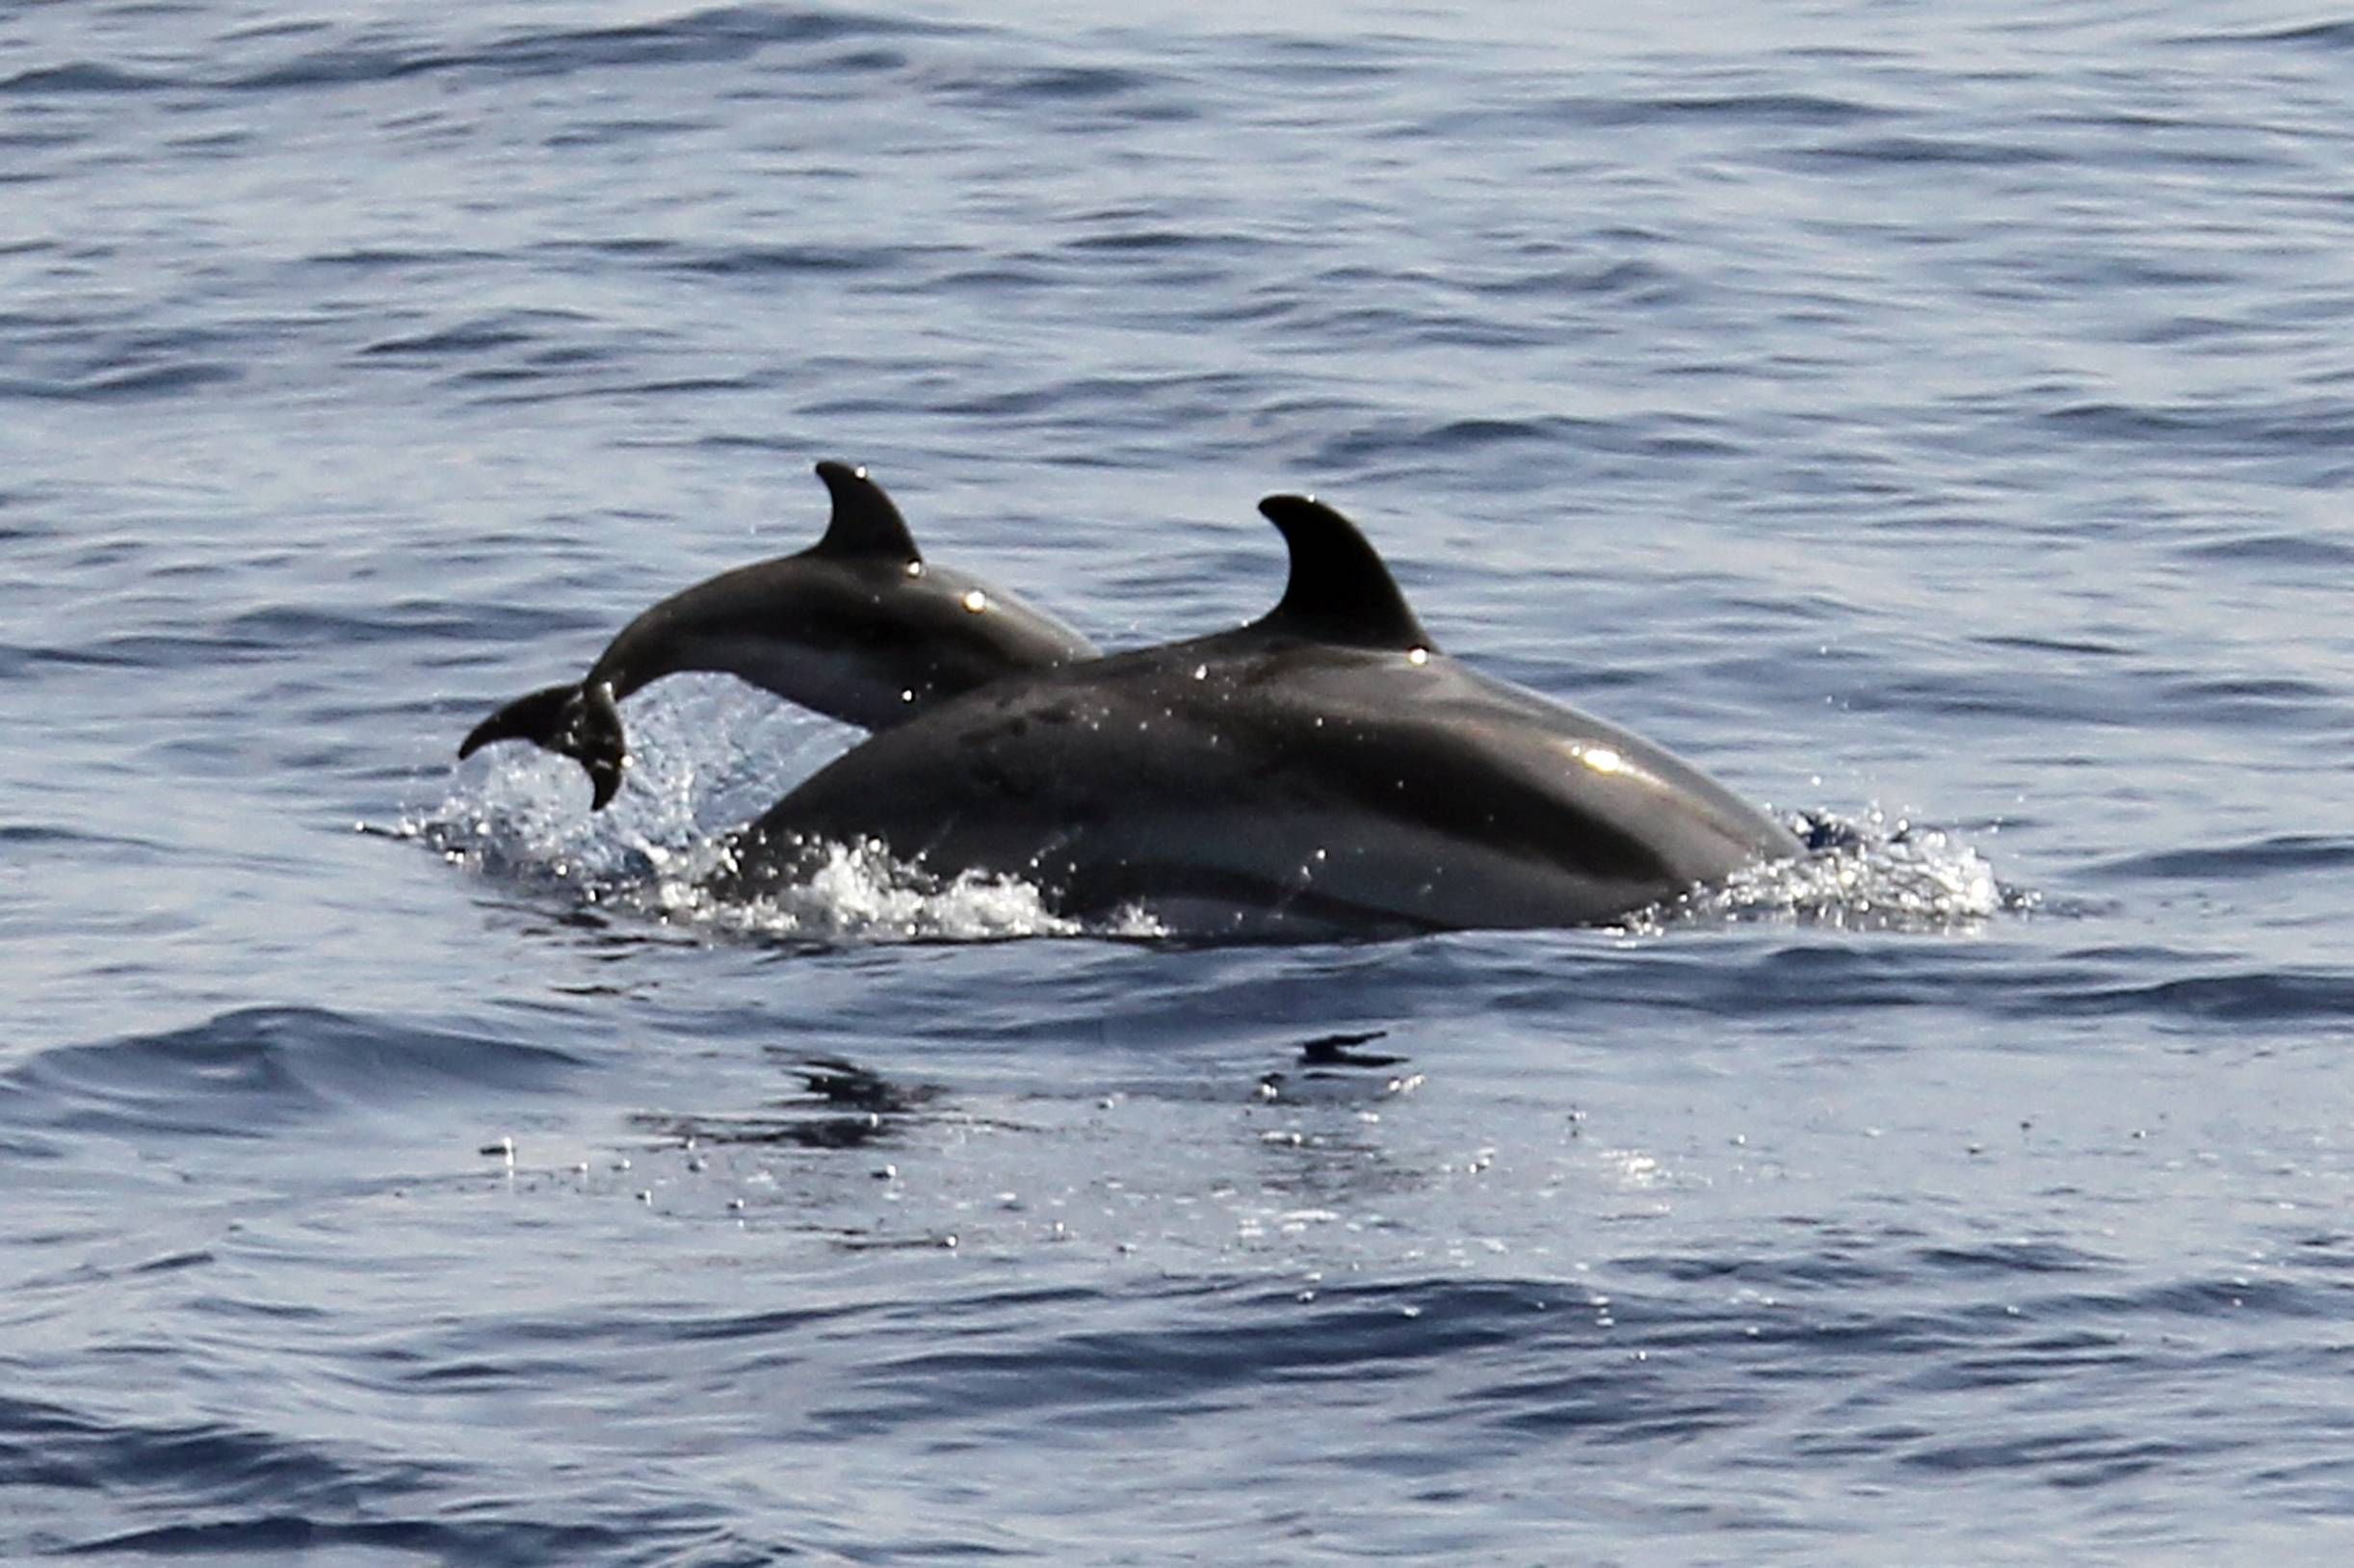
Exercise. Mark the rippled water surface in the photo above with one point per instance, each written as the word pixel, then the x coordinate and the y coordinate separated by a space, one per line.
pixel 1936 423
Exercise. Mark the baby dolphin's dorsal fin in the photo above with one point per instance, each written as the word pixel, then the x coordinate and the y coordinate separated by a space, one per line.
pixel 865 523
pixel 1340 590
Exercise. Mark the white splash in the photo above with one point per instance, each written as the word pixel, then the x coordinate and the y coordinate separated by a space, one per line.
pixel 522 816
pixel 1868 873
pixel 711 757
pixel 859 892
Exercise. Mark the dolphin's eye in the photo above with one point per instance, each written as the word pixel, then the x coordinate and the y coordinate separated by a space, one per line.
pixel 976 601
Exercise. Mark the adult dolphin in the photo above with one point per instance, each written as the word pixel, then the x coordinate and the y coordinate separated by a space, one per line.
pixel 859 627
pixel 1321 770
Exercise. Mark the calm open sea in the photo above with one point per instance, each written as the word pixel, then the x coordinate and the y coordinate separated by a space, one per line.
pixel 1939 421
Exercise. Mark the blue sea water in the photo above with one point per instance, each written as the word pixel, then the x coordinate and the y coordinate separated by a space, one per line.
pixel 1935 420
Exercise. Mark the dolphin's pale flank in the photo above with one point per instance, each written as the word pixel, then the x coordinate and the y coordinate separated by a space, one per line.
pixel 859 627
pixel 1323 769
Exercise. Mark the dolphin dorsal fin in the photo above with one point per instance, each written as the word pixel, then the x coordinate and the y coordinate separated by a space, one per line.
pixel 1340 590
pixel 865 523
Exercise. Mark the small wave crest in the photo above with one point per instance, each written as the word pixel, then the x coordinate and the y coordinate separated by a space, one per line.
pixel 847 894
pixel 1864 873
pixel 243 1074
pixel 860 893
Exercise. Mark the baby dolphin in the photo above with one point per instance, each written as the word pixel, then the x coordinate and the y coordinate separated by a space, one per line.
pixel 1323 769
pixel 859 627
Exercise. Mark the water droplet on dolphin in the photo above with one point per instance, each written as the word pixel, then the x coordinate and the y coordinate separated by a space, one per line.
pixel 976 601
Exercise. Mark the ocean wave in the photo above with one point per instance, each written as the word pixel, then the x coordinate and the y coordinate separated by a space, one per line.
pixel 703 36
pixel 248 1073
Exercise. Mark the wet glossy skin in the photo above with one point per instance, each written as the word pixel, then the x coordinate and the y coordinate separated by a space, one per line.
pixel 1322 769
pixel 858 627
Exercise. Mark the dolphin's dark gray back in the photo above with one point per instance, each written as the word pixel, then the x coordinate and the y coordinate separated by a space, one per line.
pixel 858 627
pixel 1320 768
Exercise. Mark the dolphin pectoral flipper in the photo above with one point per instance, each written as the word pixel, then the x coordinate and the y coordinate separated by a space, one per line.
pixel 579 722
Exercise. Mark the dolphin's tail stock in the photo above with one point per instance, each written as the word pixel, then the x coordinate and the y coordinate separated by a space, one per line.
pixel 583 722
